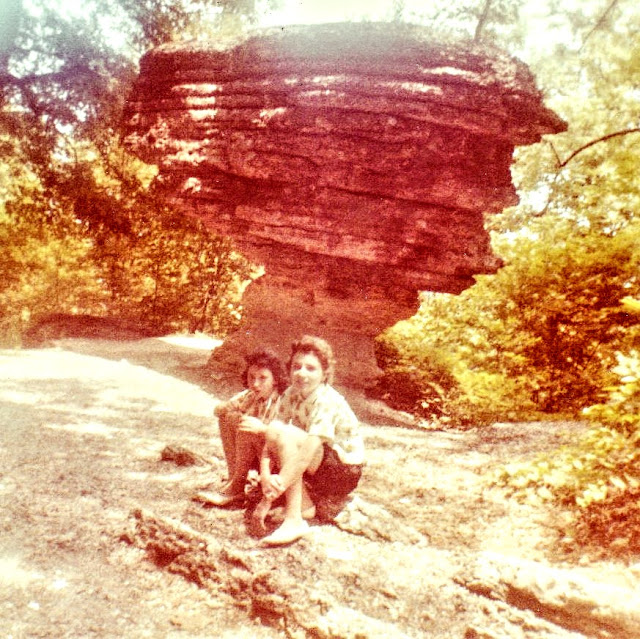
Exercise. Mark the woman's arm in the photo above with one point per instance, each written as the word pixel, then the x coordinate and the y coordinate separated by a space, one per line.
pixel 271 484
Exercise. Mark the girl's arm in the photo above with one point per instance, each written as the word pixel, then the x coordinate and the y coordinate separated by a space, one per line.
pixel 250 424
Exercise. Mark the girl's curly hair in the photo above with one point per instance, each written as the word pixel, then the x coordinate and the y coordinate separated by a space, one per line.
pixel 266 358
pixel 318 347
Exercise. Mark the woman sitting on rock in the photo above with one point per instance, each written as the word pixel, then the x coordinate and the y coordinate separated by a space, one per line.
pixel 265 379
pixel 313 452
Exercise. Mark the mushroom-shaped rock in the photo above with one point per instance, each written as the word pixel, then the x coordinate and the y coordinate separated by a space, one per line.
pixel 355 161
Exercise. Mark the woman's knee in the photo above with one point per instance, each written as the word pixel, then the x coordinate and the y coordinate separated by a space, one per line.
pixel 285 438
pixel 272 433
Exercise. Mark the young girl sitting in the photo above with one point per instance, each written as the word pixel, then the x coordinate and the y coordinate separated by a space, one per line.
pixel 265 379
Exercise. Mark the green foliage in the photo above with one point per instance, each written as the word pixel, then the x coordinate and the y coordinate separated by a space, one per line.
pixel 45 266
pixel 540 336
pixel 173 277
pixel 110 248
pixel 82 232
pixel 446 363
pixel 598 479
pixel 487 21
pixel 414 380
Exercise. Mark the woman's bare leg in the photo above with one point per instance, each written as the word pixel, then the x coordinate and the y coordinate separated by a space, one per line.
pixel 308 507
pixel 296 452
pixel 259 514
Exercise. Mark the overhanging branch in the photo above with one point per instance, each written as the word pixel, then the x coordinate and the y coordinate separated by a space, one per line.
pixel 604 138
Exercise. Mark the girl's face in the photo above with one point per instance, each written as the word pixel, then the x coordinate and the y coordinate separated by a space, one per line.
pixel 306 373
pixel 260 381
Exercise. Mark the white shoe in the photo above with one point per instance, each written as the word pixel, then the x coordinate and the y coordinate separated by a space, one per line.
pixel 287 533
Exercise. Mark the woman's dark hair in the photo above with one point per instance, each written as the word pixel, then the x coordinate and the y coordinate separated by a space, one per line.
pixel 318 347
pixel 266 358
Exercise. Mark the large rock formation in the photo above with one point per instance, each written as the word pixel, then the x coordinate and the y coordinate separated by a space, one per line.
pixel 354 161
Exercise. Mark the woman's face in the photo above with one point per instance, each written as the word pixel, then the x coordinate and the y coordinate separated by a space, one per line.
pixel 306 373
pixel 260 381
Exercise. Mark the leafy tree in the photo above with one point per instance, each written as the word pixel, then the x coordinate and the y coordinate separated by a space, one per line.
pixel 488 21
pixel 598 478
pixel 538 336
pixel 45 261
pixel 70 190
pixel 541 335
pixel 557 329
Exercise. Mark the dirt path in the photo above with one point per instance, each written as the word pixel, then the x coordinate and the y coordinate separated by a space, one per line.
pixel 82 428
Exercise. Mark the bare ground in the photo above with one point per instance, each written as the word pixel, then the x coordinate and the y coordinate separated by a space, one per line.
pixel 432 551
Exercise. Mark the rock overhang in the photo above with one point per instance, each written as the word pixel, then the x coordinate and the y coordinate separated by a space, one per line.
pixel 355 161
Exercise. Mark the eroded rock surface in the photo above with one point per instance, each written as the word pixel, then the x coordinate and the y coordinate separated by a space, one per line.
pixel 354 161
pixel 427 549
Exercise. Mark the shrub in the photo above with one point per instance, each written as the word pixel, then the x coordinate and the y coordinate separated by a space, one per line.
pixel 598 479
pixel 414 380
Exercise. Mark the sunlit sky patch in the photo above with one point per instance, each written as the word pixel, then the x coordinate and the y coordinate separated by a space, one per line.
pixel 313 11
pixel 543 26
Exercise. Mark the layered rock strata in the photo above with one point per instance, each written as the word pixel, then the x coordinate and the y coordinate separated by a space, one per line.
pixel 354 161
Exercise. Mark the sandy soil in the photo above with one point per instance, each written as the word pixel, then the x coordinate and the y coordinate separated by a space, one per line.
pixel 82 428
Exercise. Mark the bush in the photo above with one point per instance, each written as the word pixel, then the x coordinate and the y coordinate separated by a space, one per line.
pixel 44 268
pixel 413 381
pixel 538 337
pixel 611 517
pixel 598 479
pixel 443 366
pixel 165 274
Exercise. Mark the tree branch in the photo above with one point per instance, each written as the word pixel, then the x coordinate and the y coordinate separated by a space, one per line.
pixel 599 23
pixel 604 138
pixel 555 152
pixel 483 21
pixel 66 73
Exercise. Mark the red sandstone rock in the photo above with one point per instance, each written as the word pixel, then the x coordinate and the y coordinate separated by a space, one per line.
pixel 354 161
